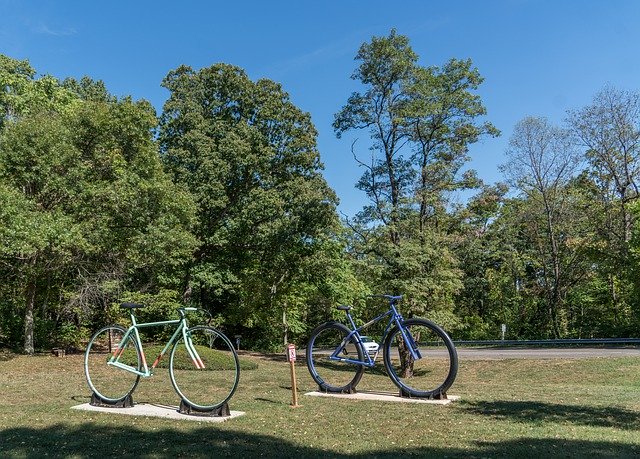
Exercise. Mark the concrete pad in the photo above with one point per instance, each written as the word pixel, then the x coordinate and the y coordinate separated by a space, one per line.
pixel 384 397
pixel 160 411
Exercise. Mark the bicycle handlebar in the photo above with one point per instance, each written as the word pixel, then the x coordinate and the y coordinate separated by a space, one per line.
pixel 391 298
pixel 182 311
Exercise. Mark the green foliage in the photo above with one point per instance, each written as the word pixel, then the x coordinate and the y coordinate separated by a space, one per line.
pixel 248 157
pixel 421 121
pixel 21 94
pixel 70 336
pixel 221 204
pixel 89 210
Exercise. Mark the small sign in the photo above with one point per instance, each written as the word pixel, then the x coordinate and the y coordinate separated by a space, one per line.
pixel 291 352
pixel 291 358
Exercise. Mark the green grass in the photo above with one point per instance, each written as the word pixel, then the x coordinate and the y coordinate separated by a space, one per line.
pixel 215 360
pixel 508 408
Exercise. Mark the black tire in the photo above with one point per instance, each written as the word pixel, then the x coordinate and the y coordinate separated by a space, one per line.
pixel 208 388
pixel 333 375
pixel 111 384
pixel 435 372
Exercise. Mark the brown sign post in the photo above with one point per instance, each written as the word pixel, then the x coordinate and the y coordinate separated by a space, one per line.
pixel 291 357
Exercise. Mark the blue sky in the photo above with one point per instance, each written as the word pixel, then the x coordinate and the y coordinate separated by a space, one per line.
pixel 538 58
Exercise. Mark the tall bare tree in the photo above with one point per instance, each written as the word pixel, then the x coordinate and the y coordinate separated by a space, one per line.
pixel 541 160
pixel 609 130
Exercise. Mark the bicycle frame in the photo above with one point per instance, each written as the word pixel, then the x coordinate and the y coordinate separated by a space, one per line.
pixel 132 333
pixel 396 318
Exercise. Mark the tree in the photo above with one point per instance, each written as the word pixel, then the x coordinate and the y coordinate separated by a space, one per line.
pixel 249 158
pixel 609 130
pixel 85 194
pixel 541 161
pixel 421 121
pixel 485 252
pixel 22 94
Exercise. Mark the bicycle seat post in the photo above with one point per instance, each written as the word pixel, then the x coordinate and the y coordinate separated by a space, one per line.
pixel 131 307
pixel 133 317
pixel 346 309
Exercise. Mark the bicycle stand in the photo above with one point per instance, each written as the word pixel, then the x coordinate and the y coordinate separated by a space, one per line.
pixel 438 396
pixel 221 411
pixel 348 390
pixel 126 402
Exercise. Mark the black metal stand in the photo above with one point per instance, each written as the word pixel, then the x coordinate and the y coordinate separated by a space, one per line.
pixel 438 396
pixel 348 390
pixel 126 402
pixel 221 411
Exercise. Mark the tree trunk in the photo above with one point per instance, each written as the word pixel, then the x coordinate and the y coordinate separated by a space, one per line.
pixel 554 297
pixel 406 360
pixel 285 325
pixel 30 300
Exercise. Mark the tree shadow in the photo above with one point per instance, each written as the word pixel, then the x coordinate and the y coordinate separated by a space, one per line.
pixel 533 411
pixel 91 440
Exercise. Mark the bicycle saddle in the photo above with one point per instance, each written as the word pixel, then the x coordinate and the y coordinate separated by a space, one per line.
pixel 344 307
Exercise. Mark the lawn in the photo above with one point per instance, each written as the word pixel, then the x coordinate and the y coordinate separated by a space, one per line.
pixel 508 408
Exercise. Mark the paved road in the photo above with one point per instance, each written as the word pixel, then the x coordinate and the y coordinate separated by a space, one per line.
pixel 489 353
pixel 545 353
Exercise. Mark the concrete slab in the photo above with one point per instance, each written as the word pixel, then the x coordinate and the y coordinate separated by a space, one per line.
pixel 160 411
pixel 384 397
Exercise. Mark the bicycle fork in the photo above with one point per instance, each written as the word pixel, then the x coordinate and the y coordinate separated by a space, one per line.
pixel 406 335
pixel 409 342
pixel 191 350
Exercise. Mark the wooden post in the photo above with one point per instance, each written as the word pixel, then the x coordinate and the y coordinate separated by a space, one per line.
pixel 291 357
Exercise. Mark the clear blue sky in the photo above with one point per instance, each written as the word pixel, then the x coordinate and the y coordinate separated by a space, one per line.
pixel 538 57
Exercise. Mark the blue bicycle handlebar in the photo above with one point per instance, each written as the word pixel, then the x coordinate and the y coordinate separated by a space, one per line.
pixel 391 298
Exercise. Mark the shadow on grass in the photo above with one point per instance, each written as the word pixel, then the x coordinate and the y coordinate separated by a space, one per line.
pixel 90 440
pixel 531 411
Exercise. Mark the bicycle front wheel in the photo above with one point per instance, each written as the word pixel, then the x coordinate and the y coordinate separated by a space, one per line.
pixel 111 384
pixel 432 374
pixel 334 375
pixel 208 379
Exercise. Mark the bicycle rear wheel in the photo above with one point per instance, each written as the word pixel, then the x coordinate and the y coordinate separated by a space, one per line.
pixel 334 375
pixel 111 384
pixel 433 374
pixel 210 382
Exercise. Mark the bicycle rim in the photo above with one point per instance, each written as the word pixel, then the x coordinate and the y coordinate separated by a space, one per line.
pixel 210 380
pixel 429 376
pixel 333 375
pixel 109 383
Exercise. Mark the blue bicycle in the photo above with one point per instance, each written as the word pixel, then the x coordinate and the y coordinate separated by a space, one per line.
pixel 419 356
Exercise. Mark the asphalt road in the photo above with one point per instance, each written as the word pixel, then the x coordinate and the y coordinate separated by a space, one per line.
pixel 545 353
pixel 494 353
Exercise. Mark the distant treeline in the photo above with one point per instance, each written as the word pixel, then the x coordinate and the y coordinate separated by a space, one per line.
pixel 220 203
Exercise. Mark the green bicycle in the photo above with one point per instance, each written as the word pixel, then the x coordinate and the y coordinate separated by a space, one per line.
pixel 203 364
